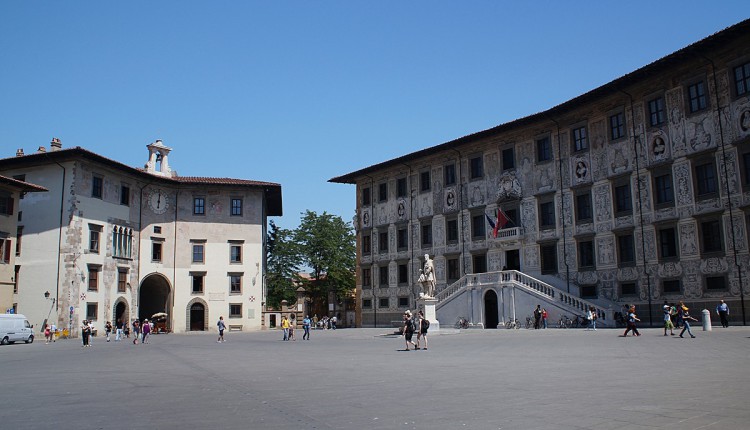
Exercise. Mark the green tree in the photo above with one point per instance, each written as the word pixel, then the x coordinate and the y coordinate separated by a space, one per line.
pixel 326 246
pixel 282 271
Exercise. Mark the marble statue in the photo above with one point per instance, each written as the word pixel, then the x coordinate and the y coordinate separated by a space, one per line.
pixel 427 277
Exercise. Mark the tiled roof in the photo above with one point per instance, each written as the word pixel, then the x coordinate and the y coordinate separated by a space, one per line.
pixel 21 185
pixel 697 49
pixel 221 181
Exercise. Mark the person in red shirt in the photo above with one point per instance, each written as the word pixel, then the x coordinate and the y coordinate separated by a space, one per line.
pixel 544 318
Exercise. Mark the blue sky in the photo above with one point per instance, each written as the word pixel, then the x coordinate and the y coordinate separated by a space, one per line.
pixel 300 92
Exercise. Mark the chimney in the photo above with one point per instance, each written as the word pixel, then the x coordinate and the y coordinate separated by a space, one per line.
pixel 41 149
pixel 55 145
pixel 19 152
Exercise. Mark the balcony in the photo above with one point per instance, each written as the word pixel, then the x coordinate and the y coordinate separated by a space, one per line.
pixel 509 234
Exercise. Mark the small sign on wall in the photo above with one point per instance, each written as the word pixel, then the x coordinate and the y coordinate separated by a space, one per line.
pixel 251 314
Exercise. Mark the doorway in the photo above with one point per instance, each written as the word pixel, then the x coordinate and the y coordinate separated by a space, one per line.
pixel 155 297
pixel 490 309
pixel 197 317
pixel 121 313
pixel 512 260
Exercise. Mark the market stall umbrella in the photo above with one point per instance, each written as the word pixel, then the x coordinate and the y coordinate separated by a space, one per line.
pixel 159 316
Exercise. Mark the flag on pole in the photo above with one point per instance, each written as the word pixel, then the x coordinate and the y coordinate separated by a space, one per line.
pixel 492 224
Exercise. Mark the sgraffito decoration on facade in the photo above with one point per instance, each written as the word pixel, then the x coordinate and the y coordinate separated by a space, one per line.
pixel 365 218
pixel 450 200
pixel 401 209
pixel 659 147
pixel 508 188
pixel 581 169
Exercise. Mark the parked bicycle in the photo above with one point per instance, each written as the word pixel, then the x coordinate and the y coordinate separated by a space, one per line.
pixel 462 322
pixel 564 322
pixel 512 324
pixel 529 322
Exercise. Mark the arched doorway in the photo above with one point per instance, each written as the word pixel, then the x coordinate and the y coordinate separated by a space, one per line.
pixel 490 309
pixel 197 315
pixel 121 312
pixel 155 296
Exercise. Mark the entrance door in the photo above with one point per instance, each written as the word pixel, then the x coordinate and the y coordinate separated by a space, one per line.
pixel 490 309
pixel 512 260
pixel 121 313
pixel 197 317
pixel 155 298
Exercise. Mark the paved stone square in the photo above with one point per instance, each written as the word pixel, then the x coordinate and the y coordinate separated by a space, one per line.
pixel 357 378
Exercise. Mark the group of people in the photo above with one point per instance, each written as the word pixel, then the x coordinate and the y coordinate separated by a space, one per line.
pixel 540 317
pixel 677 315
pixel 50 330
pixel 418 324
pixel 289 325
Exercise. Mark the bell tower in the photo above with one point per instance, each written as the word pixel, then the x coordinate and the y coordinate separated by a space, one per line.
pixel 158 159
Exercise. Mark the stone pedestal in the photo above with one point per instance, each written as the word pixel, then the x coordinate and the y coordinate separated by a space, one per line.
pixel 427 305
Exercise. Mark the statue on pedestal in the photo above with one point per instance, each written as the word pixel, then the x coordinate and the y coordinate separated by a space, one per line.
pixel 427 277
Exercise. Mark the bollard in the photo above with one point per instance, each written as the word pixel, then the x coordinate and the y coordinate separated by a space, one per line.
pixel 706 320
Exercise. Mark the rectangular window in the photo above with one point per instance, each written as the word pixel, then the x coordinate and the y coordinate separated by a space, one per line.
pixel 383 276
pixel 509 158
pixel 697 96
pixel 451 228
pixel 543 149
pixel 656 114
pixel 476 168
pixel 383 242
pixel 401 187
pixel 580 139
pixel 512 215
pixel 92 311
pixel 478 230
pixel 706 182
pixel 94 278
pixel 403 276
pixel 15 279
pixel 716 283
pixel 235 284
pixel 626 249
pixel 95 232
pixel 122 280
pixel 449 174
pixel 617 126
pixel 403 302
pixel 199 206
pixel 583 207
pixel 366 243
pixel 549 258
pixel 667 242
pixel 366 196
pixel 671 286
pixel 663 191
pixel 623 200
pixel 742 79
pixel 235 310
pixel 628 289
pixel 366 277
pixel 236 207
pixel 424 181
pixel 198 252
pixel 19 235
pixel 547 215
pixel 197 282
pixel 586 254
pixel 157 229
pixel 384 302
pixel 235 253
pixel 97 186
pixel 588 291
pixel 366 303
pixel 712 236
pixel 479 263
pixel 383 192
pixel 156 251
pixel 453 272
pixel 6 205
pixel 124 195
pixel 426 235
pixel 402 239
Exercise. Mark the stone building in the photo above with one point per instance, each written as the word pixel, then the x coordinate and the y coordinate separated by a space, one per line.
pixel 635 192
pixel 111 242
pixel 11 190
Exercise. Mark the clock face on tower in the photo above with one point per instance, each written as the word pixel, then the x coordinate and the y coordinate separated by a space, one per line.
pixel 158 200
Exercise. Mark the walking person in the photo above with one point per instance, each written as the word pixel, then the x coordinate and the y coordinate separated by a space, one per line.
pixel 591 315
pixel 686 318
pixel 408 330
pixel 423 324
pixel 91 331
pixel 136 331
pixel 145 331
pixel 723 311
pixel 537 316
pixel 108 329
pixel 118 330
pixel 221 326
pixel 85 333
pixel 667 309
pixel 285 326
pixel 632 318
pixel 306 327
pixel 292 323
pixel 47 334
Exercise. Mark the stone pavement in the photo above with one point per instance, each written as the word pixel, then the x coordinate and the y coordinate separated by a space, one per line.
pixel 359 379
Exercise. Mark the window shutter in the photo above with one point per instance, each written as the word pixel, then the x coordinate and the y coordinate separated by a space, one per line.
pixel 6 254
pixel 10 206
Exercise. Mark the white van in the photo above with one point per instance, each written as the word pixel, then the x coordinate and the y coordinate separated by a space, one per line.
pixel 15 328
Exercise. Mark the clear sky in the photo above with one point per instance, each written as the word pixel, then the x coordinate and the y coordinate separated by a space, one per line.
pixel 298 92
